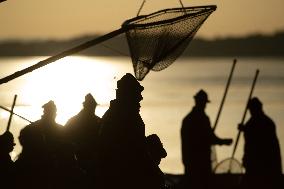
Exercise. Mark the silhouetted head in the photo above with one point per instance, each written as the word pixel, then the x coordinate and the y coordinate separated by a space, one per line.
pixel 6 142
pixel 255 106
pixel 90 103
pixel 49 110
pixel 129 89
pixel 155 148
pixel 201 99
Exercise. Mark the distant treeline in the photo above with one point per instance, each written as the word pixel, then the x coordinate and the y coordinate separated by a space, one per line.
pixel 253 45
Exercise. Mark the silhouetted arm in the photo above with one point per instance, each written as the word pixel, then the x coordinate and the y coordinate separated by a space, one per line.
pixel 221 141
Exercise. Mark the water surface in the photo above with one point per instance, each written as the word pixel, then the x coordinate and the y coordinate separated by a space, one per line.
pixel 167 95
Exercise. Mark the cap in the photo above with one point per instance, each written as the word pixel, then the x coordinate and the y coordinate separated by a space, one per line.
pixel 154 143
pixel 89 99
pixel 201 95
pixel 129 82
pixel 49 106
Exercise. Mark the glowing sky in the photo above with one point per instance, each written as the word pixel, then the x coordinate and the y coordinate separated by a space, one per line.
pixel 29 19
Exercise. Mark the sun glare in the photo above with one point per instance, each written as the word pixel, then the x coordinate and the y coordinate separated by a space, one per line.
pixel 67 81
pixel 4 115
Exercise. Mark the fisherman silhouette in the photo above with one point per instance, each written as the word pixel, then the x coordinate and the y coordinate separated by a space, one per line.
pixel 6 146
pixel 124 159
pixel 197 137
pixel 156 153
pixel 83 132
pixel 6 164
pixel 42 149
pixel 262 158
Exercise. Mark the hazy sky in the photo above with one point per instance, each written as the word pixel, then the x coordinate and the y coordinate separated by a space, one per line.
pixel 60 19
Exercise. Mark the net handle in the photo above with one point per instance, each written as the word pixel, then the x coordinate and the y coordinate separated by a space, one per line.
pixel 222 104
pixel 11 113
pixel 63 54
pixel 225 94
pixel 245 112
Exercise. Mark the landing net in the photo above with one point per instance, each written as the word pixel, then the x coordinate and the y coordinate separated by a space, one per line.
pixel 155 40
pixel 229 165
pixel 158 39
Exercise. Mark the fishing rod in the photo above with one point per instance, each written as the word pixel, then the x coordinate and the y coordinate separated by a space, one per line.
pixel 6 109
pixel 11 113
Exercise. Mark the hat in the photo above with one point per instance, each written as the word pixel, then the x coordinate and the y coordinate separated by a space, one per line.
pixel 254 103
pixel 129 82
pixel 89 99
pixel 49 106
pixel 154 143
pixel 202 96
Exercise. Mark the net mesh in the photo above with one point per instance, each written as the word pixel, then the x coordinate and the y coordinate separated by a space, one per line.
pixel 157 40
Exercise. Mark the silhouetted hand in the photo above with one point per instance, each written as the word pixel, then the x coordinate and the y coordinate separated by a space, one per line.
pixel 241 127
pixel 227 141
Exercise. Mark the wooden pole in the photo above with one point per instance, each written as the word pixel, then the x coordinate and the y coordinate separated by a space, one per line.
pixel 245 112
pixel 225 94
pixel 63 54
pixel 11 114
pixel 213 149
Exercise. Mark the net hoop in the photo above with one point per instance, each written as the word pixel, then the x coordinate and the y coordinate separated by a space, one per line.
pixel 229 166
pixel 156 40
pixel 136 21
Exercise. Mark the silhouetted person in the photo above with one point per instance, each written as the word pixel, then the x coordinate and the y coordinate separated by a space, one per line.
pixel 6 164
pixel 83 133
pixel 124 159
pixel 41 156
pixel 156 153
pixel 262 158
pixel 197 137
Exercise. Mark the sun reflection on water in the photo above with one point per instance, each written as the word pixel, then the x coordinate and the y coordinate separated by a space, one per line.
pixel 4 115
pixel 66 82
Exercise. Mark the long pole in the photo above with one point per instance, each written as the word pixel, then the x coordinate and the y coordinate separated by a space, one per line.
pixel 63 54
pixel 6 109
pixel 245 112
pixel 11 114
pixel 225 94
pixel 213 149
